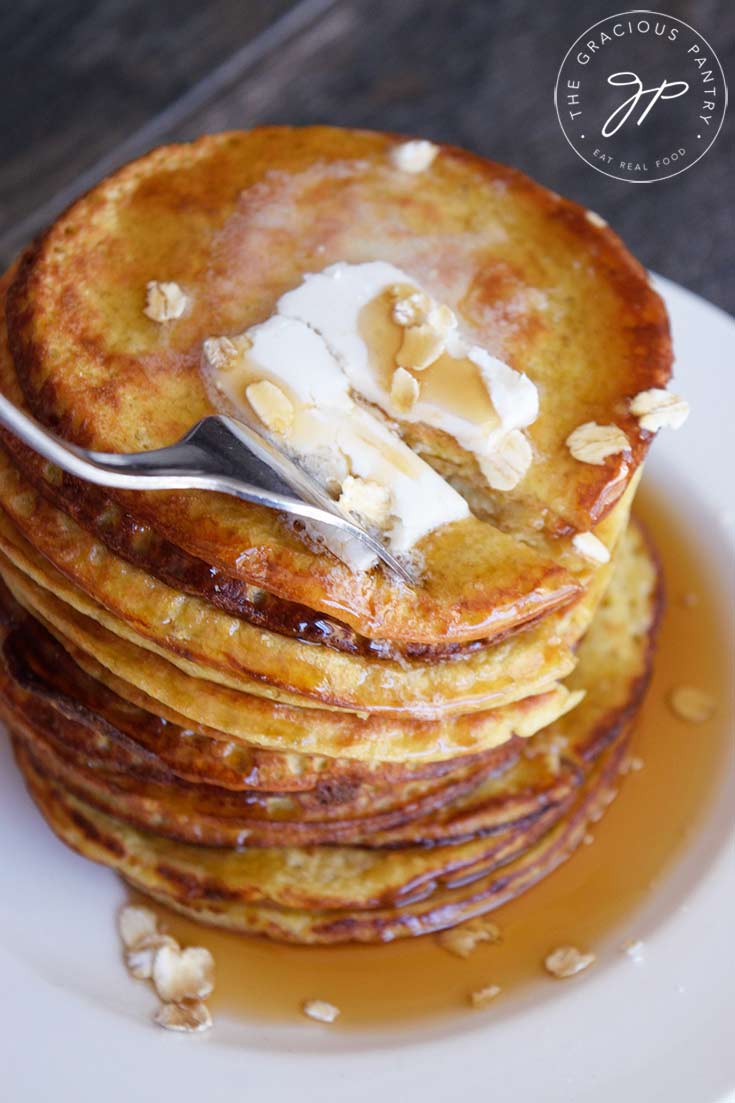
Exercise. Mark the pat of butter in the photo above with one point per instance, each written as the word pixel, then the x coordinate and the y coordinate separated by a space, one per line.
pixel 478 399
pixel 334 438
pixel 337 337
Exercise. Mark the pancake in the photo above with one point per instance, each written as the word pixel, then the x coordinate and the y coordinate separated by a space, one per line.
pixel 126 720
pixel 211 817
pixel 507 255
pixel 149 798
pixel 188 631
pixel 343 681
pixel 140 545
pixel 201 897
pixel 614 663
pixel 208 643
pixel 39 665
pixel 264 722
pixel 85 749
pixel 200 694
pixel 611 674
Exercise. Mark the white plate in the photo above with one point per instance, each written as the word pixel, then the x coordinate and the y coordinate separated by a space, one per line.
pixel 74 1027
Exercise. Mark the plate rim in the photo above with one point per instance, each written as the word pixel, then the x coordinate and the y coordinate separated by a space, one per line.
pixel 423 1063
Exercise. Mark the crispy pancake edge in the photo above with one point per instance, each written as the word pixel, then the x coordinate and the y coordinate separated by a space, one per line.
pixel 627 276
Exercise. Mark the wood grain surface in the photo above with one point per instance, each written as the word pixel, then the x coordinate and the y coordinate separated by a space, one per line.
pixel 85 86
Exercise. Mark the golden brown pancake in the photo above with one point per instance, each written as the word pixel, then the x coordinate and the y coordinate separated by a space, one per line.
pixel 264 722
pixel 614 665
pixel 197 638
pixel 206 699
pixel 89 750
pixel 513 863
pixel 480 797
pixel 236 220
pixel 203 815
pixel 188 631
pixel 130 728
pixel 137 543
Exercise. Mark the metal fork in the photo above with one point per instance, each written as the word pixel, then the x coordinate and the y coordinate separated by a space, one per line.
pixel 218 453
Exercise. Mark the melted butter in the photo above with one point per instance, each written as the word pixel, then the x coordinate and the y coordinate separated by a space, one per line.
pixel 312 415
pixel 334 337
pixel 590 900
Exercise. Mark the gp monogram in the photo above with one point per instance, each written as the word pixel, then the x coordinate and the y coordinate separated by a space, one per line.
pixel 641 96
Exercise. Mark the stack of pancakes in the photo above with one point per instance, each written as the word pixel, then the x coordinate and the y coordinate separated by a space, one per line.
pixel 202 698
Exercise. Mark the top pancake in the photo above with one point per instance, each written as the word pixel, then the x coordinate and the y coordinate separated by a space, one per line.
pixel 236 220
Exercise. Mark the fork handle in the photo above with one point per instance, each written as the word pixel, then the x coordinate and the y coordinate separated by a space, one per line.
pixel 143 470
pixel 146 471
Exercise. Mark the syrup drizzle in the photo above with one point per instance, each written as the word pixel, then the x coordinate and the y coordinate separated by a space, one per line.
pixel 590 901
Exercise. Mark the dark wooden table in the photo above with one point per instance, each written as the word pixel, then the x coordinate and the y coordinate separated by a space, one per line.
pixel 85 86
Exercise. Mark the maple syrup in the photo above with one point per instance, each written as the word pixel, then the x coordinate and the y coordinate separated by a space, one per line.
pixel 590 901
pixel 454 384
